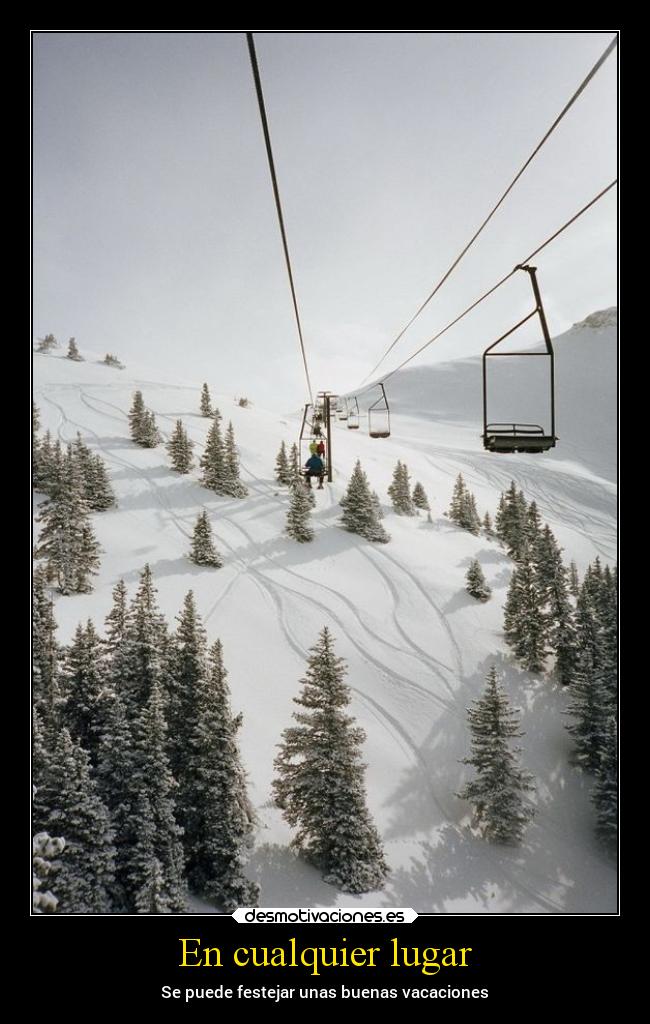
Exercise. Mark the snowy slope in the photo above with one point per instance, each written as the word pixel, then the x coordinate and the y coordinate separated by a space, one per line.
pixel 417 645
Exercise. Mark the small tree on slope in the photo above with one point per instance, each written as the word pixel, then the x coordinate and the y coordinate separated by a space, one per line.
pixel 179 448
pixel 282 468
pixel 73 352
pixel 232 484
pixel 477 585
pixel 497 791
pixel 400 491
pixel 298 524
pixel 320 779
pixel 136 416
pixel 359 511
pixel 206 405
pixel 420 499
pixel 203 551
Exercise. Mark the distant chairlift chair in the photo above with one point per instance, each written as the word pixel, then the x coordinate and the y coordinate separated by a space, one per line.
pixel 379 416
pixel 353 414
pixel 521 437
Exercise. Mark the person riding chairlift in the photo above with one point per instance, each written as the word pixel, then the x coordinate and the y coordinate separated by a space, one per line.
pixel 314 466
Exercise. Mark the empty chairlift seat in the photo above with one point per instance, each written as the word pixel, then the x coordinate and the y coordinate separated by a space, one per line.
pixel 521 437
pixel 379 416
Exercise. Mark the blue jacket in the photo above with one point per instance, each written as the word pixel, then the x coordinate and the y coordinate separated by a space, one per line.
pixel 314 464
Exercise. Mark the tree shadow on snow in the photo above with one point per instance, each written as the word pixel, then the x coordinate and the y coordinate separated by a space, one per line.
pixel 286 880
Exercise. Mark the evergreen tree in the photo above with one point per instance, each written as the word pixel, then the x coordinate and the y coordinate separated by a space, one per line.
pixel 213 460
pixel 533 523
pixel 155 864
pixel 180 447
pixel 420 499
pixel 82 687
pixel 376 504
pixel 605 793
pixel 111 360
pixel 359 512
pixel 400 491
pixel 149 433
pixel 187 668
pixel 219 819
pixel 298 524
pixel 574 580
pixel 96 487
pixel 232 484
pixel 141 661
pixel 497 790
pixel 43 464
pixel 67 540
pixel 206 404
pixel 137 416
pixel 477 585
pixel 552 578
pixel 203 551
pixel 115 774
pixel 116 619
pixel 463 507
pixel 44 851
pixel 36 422
pixel 512 521
pixel 282 468
pixel 66 801
pixel 590 705
pixel 294 463
pixel 488 528
pixel 525 622
pixel 73 352
pixel 46 689
pixel 47 343
pixel 320 779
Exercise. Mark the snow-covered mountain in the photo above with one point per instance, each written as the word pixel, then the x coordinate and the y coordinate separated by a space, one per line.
pixel 417 645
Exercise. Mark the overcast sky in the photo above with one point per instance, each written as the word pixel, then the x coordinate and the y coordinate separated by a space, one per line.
pixel 155 233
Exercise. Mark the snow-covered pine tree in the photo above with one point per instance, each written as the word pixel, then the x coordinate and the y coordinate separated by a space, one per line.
pixel 44 467
pixel 497 791
pixel 213 460
pixel 206 404
pixel 359 512
pixel 115 773
pixel 525 622
pixel 66 539
pixel 512 521
pixel 46 685
pixel 477 585
pixel 136 416
pixel 320 779
pixel 82 687
pixel 282 468
pixel 67 801
pixel 420 499
pixel 157 853
pixel 45 850
pixel 552 581
pixel 605 792
pixel 203 551
pixel 73 352
pixel 457 498
pixel 488 528
pixel 574 580
pixel 590 699
pixel 149 434
pixel 188 665
pixel 115 622
pixel 608 621
pixel 294 463
pixel 219 827
pixel 97 490
pixel 111 360
pixel 141 660
pixel 298 523
pixel 399 491
pixel 179 448
pixel 533 523
pixel 470 519
pixel 232 485
pixel 47 343
pixel 36 420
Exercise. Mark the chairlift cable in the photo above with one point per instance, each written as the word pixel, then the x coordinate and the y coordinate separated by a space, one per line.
pixel 278 204
pixel 494 209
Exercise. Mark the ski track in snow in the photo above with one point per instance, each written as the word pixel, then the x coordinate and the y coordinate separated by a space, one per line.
pixel 341 609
